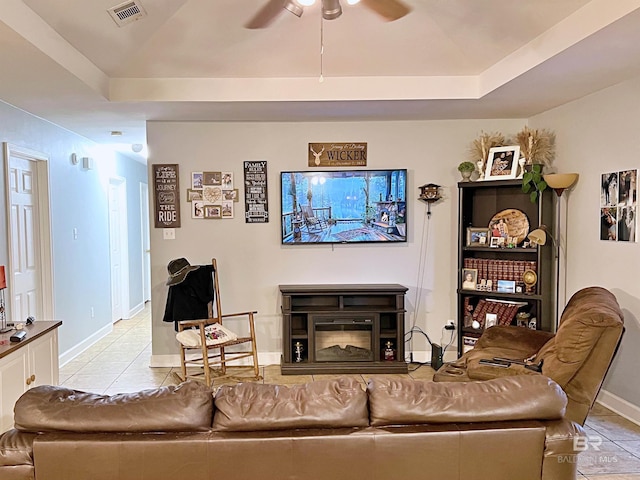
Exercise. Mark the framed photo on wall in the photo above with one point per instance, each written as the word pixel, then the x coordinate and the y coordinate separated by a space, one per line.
pixel 502 163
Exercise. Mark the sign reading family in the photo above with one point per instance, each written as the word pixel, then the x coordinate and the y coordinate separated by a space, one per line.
pixel 167 196
pixel 337 154
pixel 256 200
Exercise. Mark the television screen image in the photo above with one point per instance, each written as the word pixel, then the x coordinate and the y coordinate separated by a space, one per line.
pixel 344 206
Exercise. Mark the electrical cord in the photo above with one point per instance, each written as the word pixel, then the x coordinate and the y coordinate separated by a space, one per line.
pixel 444 349
pixel 420 280
pixel 409 336
pixel 421 266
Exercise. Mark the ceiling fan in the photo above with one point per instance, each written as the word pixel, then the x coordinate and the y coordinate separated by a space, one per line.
pixel 390 10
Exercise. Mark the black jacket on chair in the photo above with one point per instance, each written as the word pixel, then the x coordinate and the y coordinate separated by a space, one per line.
pixel 189 299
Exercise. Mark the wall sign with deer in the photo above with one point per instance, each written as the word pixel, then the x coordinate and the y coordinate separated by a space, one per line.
pixel 337 154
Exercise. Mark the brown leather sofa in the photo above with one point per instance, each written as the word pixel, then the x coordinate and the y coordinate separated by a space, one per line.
pixel 503 429
pixel 577 357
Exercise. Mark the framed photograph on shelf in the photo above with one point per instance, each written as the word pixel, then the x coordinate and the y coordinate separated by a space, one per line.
pixel 506 286
pixel 477 237
pixel 496 242
pixel 469 278
pixel 502 163
pixel 490 320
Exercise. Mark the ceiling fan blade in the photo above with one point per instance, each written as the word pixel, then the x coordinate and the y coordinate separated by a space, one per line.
pixel 390 10
pixel 266 14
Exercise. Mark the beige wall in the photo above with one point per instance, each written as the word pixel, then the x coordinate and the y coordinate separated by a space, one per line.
pixel 252 260
pixel 595 135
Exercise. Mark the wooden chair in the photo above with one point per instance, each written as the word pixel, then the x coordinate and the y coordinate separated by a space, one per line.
pixel 213 359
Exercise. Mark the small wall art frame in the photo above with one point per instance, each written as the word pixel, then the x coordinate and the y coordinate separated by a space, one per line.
pixel 502 163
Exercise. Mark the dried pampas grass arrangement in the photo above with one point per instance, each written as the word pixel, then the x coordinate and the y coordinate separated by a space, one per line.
pixel 537 146
pixel 480 146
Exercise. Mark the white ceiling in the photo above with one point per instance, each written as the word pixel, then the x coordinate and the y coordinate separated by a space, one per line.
pixel 68 62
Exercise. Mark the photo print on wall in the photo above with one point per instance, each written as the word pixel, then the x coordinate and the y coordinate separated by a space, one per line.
pixel 618 202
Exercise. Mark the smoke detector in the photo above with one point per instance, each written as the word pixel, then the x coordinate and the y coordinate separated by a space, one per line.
pixel 127 12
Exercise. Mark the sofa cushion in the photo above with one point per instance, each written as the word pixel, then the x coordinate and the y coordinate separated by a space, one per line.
pixel 588 315
pixel 16 448
pixel 187 407
pixel 336 403
pixel 395 401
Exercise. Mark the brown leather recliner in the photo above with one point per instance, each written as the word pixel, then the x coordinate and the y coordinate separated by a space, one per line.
pixel 577 357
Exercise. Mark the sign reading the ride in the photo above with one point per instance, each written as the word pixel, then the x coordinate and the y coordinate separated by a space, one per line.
pixel 167 196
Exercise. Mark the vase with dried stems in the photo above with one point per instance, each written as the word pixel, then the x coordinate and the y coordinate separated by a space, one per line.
pixel 537 147
pixel 479 149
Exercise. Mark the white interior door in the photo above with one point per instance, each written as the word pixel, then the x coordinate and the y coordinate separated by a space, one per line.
pixel 30 284
pixel 118 249
pixel 146 243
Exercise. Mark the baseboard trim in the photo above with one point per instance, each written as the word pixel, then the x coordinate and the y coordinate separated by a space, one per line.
pixel 135 310
pixel 86 343
pixel 619 405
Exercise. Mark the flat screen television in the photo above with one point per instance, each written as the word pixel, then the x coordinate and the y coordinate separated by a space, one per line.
pixel 344 206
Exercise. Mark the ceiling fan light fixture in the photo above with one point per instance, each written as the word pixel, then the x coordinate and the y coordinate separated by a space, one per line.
pixel 331 9
pixel 293 7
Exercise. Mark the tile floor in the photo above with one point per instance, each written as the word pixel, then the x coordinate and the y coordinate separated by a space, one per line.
pixel 120 363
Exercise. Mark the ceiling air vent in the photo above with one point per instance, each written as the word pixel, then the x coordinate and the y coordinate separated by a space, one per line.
pixel 127 12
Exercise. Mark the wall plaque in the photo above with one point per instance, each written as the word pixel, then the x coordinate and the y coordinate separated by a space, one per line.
pixel 256 200
pixel 337 154
pixel 166 190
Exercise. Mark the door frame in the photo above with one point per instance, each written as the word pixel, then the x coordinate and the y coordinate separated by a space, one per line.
pixel 44 223
pixel 146 241
pixel 121 185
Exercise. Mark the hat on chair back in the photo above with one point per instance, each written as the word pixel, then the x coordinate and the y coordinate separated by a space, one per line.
pixel 178 270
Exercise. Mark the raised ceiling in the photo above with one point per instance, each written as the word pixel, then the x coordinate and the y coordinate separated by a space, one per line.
pixel 67 61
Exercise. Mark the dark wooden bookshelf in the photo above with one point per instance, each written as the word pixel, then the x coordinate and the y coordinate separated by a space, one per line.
pixel 478 202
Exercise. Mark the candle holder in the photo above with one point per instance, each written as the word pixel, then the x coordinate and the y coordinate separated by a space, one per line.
pixel 298 348
pixel 389 352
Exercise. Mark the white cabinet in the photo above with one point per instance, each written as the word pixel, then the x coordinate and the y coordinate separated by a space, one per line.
pixel 27 364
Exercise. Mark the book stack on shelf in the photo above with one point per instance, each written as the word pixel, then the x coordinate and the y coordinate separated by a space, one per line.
pixel 504 311
pixel 494 270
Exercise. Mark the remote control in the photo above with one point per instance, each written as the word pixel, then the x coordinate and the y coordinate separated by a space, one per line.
pixel 18 336
pixel 495 363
